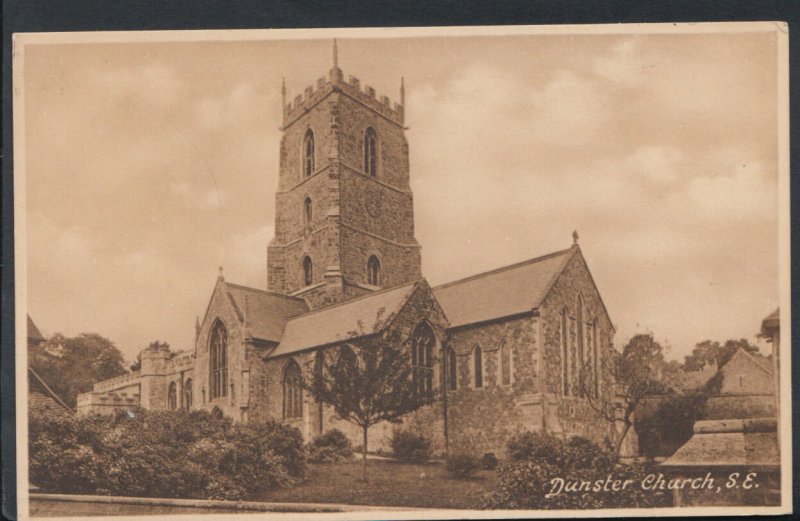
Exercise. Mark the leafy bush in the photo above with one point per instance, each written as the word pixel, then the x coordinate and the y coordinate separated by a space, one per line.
pixel 331 447
pixel 410 447
pixel 537 461
pixel 463 465
pixel 489 461
pixel 163 454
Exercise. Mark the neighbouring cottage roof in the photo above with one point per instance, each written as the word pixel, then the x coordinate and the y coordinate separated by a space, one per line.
pixel 34 335
pixel 41 398
pixel 757 359
pixel 694 380
pixel 502 292
pixel 343 321
pixel 264 312
pixel 746 443
pixel 771 323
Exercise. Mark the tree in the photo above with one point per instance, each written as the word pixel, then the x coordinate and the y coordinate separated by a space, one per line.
pixel 71 366
pixel 708 352
pixel 640 370
pixel 368 381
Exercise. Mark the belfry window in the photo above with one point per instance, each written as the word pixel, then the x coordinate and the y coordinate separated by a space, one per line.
pixel 218 362
pixel 308 271
pixel 374 271
pixel 505 364
pixel 172 397
pixel 423 341
pixel 292 391
pixel 307 210
pixel 477 366
pixel 308 153
pixel 371 152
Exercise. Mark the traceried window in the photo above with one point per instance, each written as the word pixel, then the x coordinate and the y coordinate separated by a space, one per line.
pixel 187 394
pixel 308 153
pixel 218 361
pixel 565 373
pixel 477 367
pixel 374 271
pixel 505 364
pixel 308 271
pixel 452 369
pixel 423 341
pixel 292 391
pixel 595 360
pixel 172 397
pixel 307 210
pixel 371 152
pixel 579 333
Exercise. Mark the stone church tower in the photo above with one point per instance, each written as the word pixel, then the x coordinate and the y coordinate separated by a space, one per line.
pixel 344 218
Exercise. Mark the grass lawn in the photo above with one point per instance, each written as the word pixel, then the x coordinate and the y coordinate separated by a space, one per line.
pixel 390 484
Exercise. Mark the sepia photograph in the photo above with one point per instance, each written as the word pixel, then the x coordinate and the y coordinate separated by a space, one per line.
pixel 403 273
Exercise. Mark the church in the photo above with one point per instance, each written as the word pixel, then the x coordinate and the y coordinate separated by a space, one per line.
pixel 501 349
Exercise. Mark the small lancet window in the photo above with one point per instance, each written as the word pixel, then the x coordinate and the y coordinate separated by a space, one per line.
pixel 308 153
pixel 307 210
pixel 371 152
pixel 374 271
pixel 477 365
pixel 308 271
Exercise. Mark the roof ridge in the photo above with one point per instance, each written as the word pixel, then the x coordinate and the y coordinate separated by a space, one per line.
pixel 505 268
pixel 344 302
pixel 265 291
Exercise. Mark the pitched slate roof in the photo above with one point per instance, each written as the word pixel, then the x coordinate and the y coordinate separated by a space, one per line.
pixel 41 398
pixel 771 322
pixel 34 335
pixel 264 313
pixel 502 292
pixel 336 323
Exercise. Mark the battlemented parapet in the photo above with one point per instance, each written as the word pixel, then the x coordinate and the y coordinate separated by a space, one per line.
pixel 335 82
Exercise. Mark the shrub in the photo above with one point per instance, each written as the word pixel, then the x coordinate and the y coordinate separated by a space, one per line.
pixel 164 454
pixel 410 447
pixel 536 460
pixel 331 447
pixel 489 461
pixel 463 465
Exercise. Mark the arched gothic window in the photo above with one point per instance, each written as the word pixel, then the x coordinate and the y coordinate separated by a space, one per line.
pixel 565 373
pixel 595 360
pixel 423 341
pixel 477 367
pixel 308 271
pixel 307 210
pixel 308 153
pixel 172 397
pixel 374 271
pixel 187 394
pixel 371 152
pixel 505 364
pixel 579 334
pixel 452 369
pixel 292 391
pixel 218 362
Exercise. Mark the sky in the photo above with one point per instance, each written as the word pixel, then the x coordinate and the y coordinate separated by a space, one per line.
pixel 151 164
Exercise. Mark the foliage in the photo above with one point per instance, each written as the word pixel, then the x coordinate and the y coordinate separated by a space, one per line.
pixel 331 447
pixel 411 447
pixel 71 366
pixel 463 465
pixel 489 461
pixel 666 428
pixel 537 459
pixel 367 381
pixel 639 371
pixel 163 454
pixel 714 353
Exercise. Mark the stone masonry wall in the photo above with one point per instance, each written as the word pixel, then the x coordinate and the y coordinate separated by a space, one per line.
pixel 482 419
pixel 575 415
